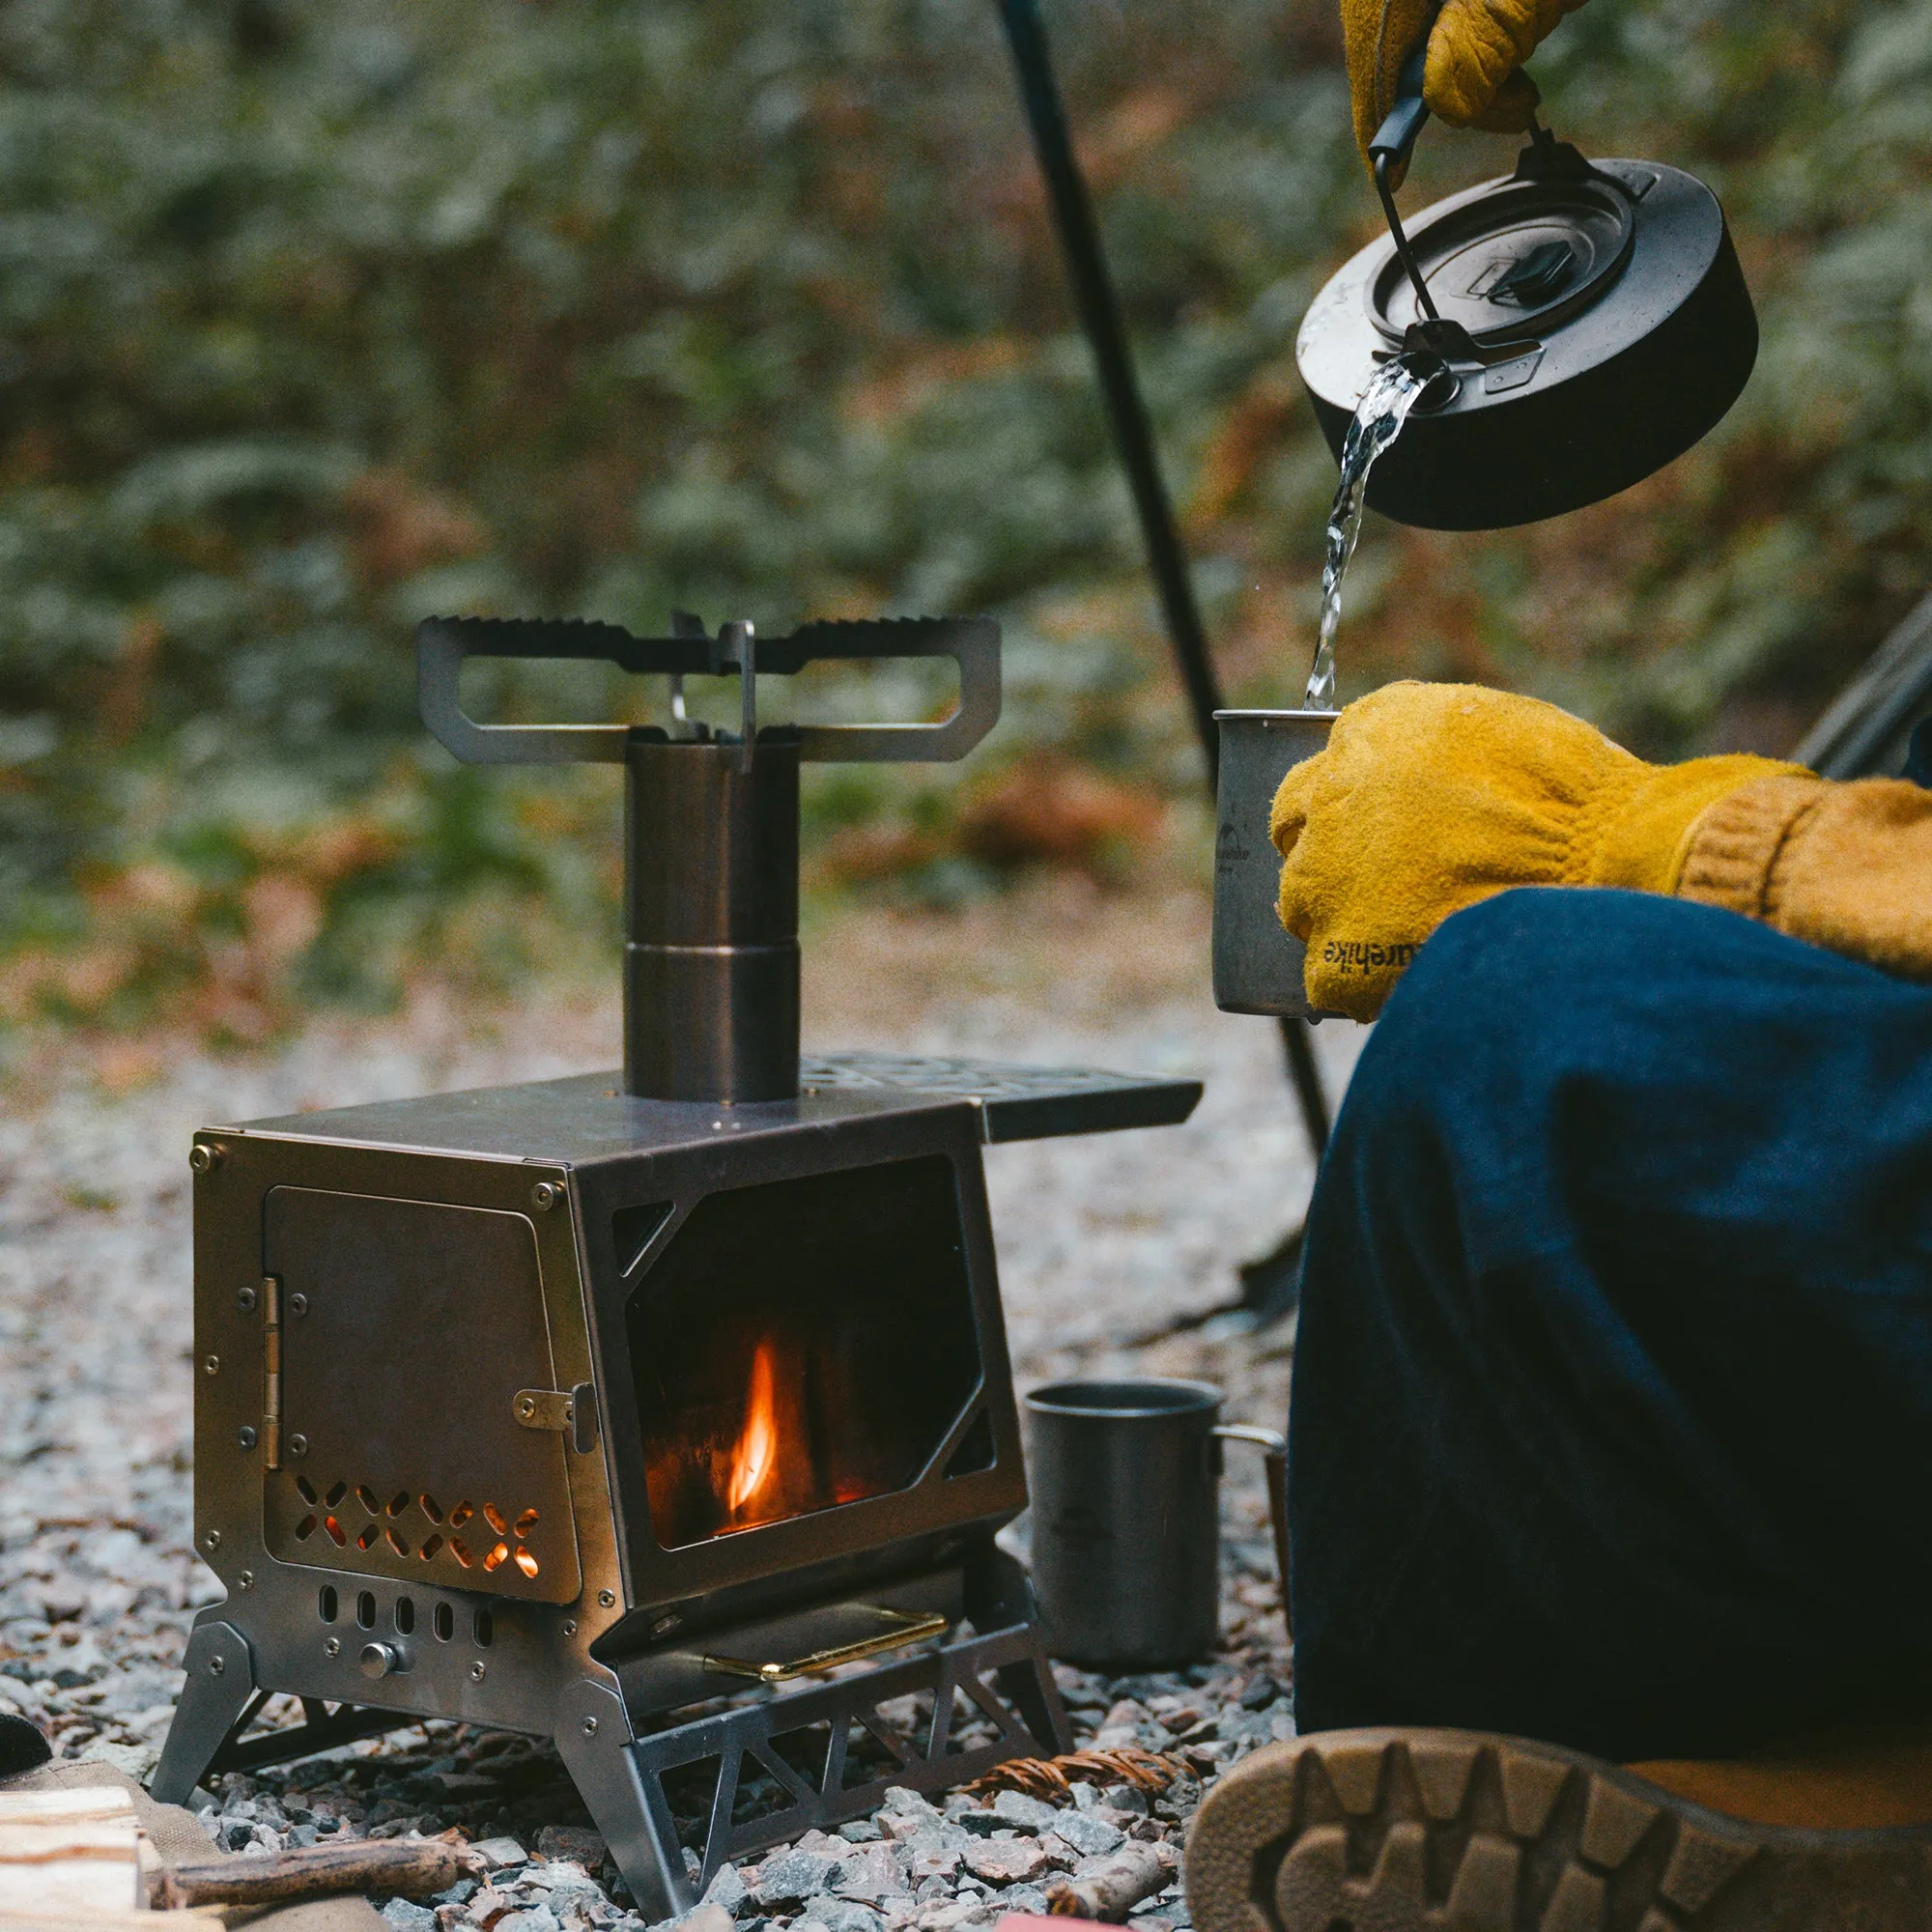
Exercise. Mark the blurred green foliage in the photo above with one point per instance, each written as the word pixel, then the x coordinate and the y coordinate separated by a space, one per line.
pixel 317 318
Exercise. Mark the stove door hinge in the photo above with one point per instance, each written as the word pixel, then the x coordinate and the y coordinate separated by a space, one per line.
pixel 571 1411
pixel 271 1372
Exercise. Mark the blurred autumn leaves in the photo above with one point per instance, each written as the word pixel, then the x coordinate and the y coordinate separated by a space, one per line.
pixel 317 319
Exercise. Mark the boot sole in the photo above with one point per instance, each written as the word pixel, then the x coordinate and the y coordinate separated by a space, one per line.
pixel 1427 1830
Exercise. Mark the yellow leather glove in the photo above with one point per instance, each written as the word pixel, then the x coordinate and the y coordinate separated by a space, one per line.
pixel 1433 796
pixel 1473 76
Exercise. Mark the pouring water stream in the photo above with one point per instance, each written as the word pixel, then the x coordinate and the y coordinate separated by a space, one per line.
pixel 1392 392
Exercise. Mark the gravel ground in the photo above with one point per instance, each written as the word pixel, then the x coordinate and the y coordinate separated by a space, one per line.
pixel 1103 1243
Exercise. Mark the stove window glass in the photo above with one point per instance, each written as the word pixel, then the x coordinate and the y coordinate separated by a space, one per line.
pixel 800 1344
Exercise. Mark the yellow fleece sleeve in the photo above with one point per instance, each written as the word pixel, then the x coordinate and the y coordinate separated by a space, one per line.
pixel 1845 866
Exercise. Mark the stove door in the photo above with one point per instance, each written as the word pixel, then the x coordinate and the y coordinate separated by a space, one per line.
pixel 408 1330
pixel 802 1345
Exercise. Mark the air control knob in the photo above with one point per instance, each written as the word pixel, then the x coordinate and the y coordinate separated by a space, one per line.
pixel 382 1659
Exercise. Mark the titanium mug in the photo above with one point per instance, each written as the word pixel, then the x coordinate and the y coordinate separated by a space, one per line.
pixel 1256 965
pixel 1126 1525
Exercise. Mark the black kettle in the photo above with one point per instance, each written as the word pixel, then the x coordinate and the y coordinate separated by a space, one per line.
pixel 1577 324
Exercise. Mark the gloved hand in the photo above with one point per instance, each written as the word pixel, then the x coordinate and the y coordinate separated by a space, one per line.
pixel 1433 796
pixel 1474 77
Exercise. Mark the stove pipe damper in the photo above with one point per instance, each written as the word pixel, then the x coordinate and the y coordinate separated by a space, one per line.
pixel 479 1372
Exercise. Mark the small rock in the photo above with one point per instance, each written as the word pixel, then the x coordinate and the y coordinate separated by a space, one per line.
pixel 981 1824
pixel 785 1881
pixel 1261 1693
pixel 460 1894
pixel 1006 1860
pixel 727 1888
pixel 1029 1814
pixel 868 1874
pixel 942 1833
pixel 840 1914
pixel 488 1905
pixel 408 1917
pixel 1024 1898
pixel 860 1831
pixel 932 1860
pixel 1126 1798
pixel 576 1843
pixel 533 1918
pixel 956 1915
pixel 1124 1724
pixel 1151 1683
pixel 495 1853
pixel 1088 1836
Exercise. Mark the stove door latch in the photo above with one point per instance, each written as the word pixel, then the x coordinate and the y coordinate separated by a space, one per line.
pixel 571 1411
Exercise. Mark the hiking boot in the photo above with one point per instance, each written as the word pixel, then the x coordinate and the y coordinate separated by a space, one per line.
pixel 1427 1830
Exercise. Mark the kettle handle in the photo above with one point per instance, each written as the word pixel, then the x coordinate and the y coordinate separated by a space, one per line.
pixel 1393 142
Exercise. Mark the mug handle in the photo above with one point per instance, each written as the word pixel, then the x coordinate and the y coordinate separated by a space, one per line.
pixel 1274 1461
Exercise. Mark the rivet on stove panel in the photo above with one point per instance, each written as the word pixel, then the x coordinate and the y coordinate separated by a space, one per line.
pixel 213 1366
pixel 545 1194
pixel 217 1665
pixel 245 1299
pixel 213 1540
pixel 591 1727
pixel 204 1156
pixel 246 1580
pixel 332 1646
pixel 477 1672
pixel 607 1598
pixel 297 1445
pixel 247 1436
pixel 298 1304
pixel 570 1626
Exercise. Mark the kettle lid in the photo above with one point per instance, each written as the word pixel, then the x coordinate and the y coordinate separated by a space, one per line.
pixel 1594 322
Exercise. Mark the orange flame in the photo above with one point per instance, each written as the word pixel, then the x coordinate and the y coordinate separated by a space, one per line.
pixel 755 1461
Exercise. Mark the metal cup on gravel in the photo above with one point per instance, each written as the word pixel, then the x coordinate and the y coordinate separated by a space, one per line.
pixel 1126 1527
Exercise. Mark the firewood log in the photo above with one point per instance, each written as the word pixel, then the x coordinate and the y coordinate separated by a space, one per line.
pixel 1109 1888
pixel 412 1868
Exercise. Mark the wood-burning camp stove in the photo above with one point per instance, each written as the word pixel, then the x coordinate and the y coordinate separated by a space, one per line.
pixel 575 1407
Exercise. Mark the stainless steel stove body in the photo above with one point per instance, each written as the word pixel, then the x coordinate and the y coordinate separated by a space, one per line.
pixel 567 1407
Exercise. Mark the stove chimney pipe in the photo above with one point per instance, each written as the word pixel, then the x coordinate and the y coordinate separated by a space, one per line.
pixel 711 959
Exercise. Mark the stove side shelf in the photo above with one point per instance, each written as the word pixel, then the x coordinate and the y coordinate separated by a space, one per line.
pixel 1015 1102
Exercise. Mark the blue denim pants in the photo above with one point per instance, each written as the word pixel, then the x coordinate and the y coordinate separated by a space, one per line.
pixel 1612 1408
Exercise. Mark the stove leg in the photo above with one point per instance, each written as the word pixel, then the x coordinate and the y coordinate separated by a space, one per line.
pixel 594 1739
pixel 999 1593
pixel 220 1682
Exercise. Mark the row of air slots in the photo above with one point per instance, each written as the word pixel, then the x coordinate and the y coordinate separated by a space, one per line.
pixel 443 1618
pixel 509 1547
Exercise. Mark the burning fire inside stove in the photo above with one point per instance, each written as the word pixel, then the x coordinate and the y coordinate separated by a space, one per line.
pixel 754 1467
